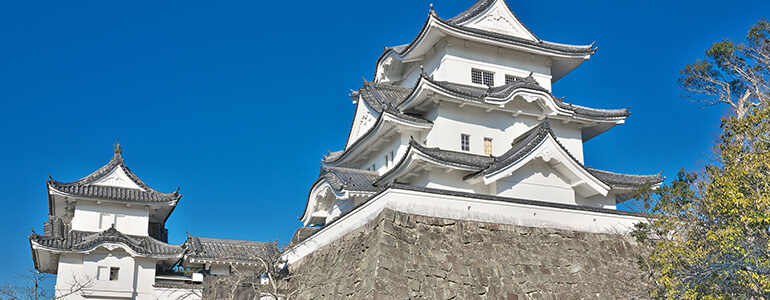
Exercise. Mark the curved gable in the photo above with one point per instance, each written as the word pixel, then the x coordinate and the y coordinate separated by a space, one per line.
pixel 494 16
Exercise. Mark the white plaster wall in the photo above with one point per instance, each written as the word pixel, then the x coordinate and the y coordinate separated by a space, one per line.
pixel 450 121
pixel 452 60
pixel 461 57
pixel 340 207
pixel 431 63
pixel 144 279
pixel 452 181
pixel 599 201
pixel 570 136
pixel 126 275
pixel 70 274
pixel 362 121
pixel 536 181
pixel 133 276
pixel 88 216
pixel 398 144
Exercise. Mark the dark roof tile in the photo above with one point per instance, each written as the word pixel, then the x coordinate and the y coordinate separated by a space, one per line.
pixel 85 187
pixel 83 241
pixel 618 180
pixel 349 179
pixel 454 157
pixel 230 251
pixel 478 94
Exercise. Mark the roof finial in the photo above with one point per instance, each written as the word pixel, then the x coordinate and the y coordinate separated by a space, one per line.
pixel 118 148
pixel 431 6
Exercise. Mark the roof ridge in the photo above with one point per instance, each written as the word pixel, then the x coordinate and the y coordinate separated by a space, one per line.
pixel 530 139
pixel 353 169
pixel 481 6
pixel 120 192
pixel 658 176
pixel 115 162
pixel 83 240
pixel 420 146
pixel 530 83
pixel 229 240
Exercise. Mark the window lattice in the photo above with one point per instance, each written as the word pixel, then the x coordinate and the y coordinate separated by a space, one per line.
pixel 476 77
pixel 510 79
pixel 482 77
pixel 489 78
pixel 465 142
pixel 488 146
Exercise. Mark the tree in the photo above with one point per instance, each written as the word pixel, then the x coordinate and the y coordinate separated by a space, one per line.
pixel 733 74
pixel 270 280
pixel 31 286
pixel 710 233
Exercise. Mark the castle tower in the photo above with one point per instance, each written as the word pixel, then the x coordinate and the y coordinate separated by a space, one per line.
pixel 106 235
pixel 461 125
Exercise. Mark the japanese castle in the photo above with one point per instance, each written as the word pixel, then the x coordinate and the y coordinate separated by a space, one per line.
pixel 462 123
pixel 106 239
pixel 458 128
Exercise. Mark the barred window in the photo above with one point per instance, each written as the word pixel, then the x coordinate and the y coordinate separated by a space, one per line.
pixel 488 146
pixel 465 142
pixel 482 77
pixel 510 79
pixel 114 271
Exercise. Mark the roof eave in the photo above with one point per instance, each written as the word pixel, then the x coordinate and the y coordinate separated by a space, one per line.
pixel 171 203
pixel 373 132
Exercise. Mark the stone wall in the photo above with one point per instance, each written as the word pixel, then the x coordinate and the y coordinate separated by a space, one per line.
pixel 404 256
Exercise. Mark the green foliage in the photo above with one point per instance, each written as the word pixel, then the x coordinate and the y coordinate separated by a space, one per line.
pixel 733 74
pixel 711 237
pixel 710 232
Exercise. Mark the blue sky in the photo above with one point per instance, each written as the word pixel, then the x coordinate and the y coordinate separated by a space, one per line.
pixel 236 101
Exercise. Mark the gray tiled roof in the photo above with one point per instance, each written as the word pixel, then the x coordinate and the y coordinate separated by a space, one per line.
pixel 454 157
pixel 478 8
pixel 84 187
pixel 618 180
pixel 114 193
pixel 478 94
pixel 229 251
pixel 383 99
pixel 81 241
pixel 345 179
pixel 333 155
pixel 175 284
pixel 563 48
pixel 521 146
pixel 349 179
pixel 528 141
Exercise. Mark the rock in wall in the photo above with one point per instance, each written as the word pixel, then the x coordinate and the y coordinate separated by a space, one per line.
pixel 405 256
